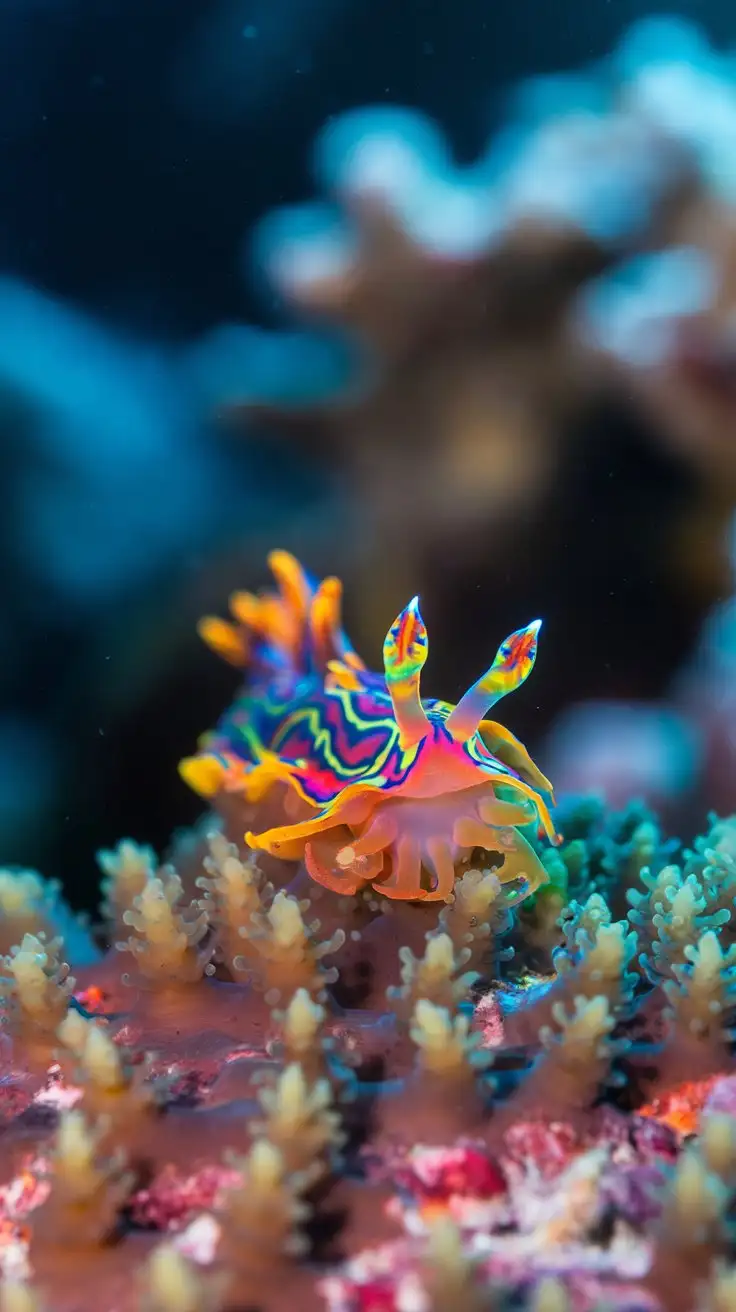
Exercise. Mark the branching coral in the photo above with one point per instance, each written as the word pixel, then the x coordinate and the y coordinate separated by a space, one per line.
pixel 434 289
pixel 695 1228
pixel 300 1121
pixel 35 987
pixel 116 1089
pixel 87 1191
pixel 597 954
pixel 593 962
pixel 126 871
pixel 570 1073
pixel 476 915
pixel 166 942
pixel 302 1034
pixel 172 1284
pixel 446 1046
pixel 475 299
pixel 450 1277
pixel 235 892
pixel 425 1076
pixel 679 917
pixel 288 956
pixel 25 906
pixel 32 905
pixel 435 978
pixel 263 1214
pixel 701 1000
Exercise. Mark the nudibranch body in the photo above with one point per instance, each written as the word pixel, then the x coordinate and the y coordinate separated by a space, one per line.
pixel 397 791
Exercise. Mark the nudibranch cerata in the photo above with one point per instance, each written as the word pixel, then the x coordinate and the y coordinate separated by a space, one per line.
pixel 398 792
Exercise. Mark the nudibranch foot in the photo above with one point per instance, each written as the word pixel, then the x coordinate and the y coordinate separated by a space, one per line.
pixel 410 849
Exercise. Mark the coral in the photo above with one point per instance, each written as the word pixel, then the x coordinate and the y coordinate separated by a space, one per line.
pixel 694 1228
pixel 300 1122
pixel 480 1116
pixel 288 955
pixel 589 249
pixel 476 915
pixel 126 871
pixel 263 1149
pixel 166 942
pixel 86 1192
pixel 597 954
pixel 435 978
pixel 302 1035
pixel 173 1284
pixel 447 1048
pixel 235 892
pixel 17 1296
pixel 701 1001
pixel 32 905
pixel 213 1108
pixel 35 988
pixel 450 1277
pixel 25 902
pixel 578 1051
pixel 116 1091
pixel 262 1216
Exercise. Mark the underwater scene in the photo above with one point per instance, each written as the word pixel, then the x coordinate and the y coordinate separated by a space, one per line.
pixel 367 656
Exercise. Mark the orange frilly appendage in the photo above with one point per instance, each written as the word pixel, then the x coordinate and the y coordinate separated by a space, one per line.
pixel 210 774
pixel 409 848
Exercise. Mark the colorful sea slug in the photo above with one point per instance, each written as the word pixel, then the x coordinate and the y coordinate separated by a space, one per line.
pixel 380 786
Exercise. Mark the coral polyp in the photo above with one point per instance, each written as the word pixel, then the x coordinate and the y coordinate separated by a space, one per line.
pixel 395 791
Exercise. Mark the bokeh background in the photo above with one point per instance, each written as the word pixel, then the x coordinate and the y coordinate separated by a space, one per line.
pixel 503 376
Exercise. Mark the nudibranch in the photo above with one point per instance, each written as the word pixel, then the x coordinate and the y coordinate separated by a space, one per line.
pixel 397 792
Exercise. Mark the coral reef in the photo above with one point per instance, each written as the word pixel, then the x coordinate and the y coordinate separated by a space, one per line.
pixel 271 1088
pixel 500 1136
pixel 391 1029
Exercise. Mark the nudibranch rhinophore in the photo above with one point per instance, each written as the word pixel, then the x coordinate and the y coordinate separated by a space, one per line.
pixel 398 792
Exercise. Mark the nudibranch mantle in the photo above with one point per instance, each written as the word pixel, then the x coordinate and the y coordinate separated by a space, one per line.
pixel 396 791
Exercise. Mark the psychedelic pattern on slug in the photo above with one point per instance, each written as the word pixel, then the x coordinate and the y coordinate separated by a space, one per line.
pixel 380 786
